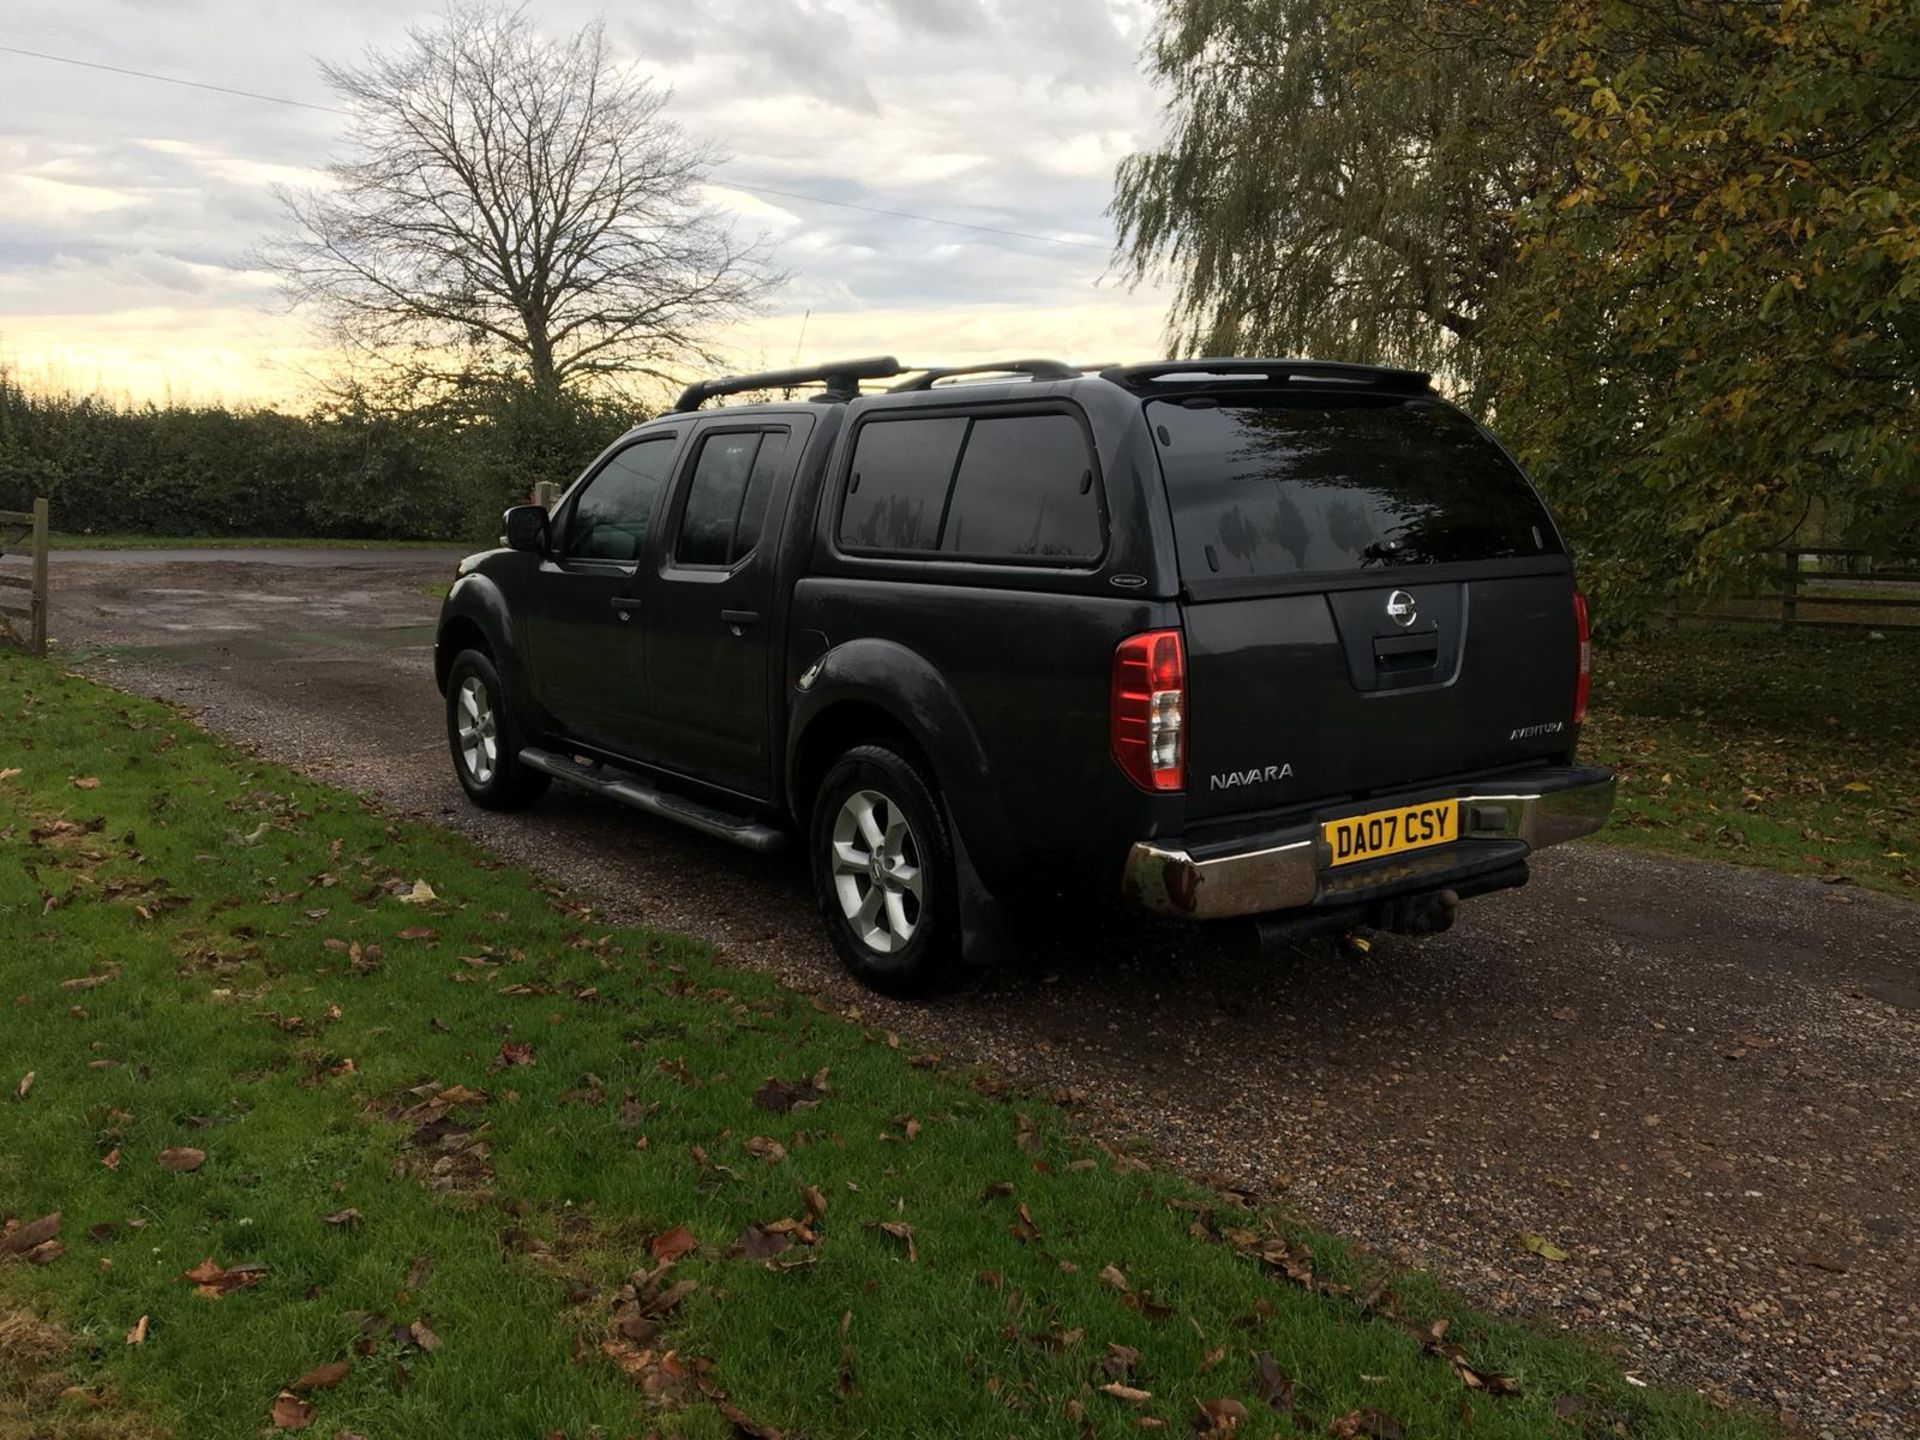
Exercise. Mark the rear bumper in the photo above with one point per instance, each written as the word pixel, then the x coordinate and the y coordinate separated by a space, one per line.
pixel 1288 869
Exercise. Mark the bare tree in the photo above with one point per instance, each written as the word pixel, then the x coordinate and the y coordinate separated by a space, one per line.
pixel 515 202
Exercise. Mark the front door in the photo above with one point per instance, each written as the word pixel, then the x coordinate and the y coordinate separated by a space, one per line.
pixel 586 641
pixel 709 604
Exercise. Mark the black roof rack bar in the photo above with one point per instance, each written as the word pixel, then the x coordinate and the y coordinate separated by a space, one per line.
pixel 1278 371
pixel 1033 369
pixel 841 377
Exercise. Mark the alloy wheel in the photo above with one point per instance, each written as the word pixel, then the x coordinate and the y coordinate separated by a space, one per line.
pixel 479 730
pixel 877 874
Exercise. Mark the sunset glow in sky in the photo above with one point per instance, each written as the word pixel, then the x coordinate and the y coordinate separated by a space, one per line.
pixel 129 208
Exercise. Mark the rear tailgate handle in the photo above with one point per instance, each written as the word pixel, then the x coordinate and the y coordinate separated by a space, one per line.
pixel 1407 652
pixel 738 620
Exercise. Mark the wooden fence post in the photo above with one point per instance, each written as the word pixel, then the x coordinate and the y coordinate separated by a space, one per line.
pixel 1790 591
pixel 546 494
pixel 40 576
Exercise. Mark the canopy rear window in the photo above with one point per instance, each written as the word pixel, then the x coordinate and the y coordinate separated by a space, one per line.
pixel 1325 483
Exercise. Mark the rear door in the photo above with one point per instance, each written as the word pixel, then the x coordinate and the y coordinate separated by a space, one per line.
pixel 1375 597
pixel 709 603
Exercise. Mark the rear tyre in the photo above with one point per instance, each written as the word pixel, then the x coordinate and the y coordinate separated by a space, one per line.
pixel 883 871
pixel 484 739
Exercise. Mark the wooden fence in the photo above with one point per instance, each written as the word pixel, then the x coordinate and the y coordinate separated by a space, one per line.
pixel 1826 589
pixel 16 526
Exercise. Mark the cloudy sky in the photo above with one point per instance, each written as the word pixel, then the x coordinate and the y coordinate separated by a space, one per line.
pixel 128 208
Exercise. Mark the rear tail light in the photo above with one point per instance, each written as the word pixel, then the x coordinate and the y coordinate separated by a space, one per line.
pixel 1148 711
pixel 1584 633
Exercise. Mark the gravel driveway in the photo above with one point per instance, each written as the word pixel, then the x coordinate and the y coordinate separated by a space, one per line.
pixel 1700 1081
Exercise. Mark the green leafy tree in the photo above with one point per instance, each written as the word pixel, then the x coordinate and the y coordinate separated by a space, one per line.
pixel 1672 250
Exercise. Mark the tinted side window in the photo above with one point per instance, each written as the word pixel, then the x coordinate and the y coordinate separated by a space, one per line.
pixel 727 497
pixel 753 508
pixel 1025 489
pixel 1319 483
pixel 609 520
pixel 898 486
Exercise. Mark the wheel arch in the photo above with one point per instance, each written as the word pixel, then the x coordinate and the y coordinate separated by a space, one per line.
pixel 876 690
pixel 474 617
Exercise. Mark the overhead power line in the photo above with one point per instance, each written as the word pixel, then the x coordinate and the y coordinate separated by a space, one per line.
pixel 731 184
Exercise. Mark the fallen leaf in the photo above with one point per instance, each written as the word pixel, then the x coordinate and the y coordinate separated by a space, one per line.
pixel 998 1190
pixel 182 1159
pixel 1218 1417
pixel 10 773
pixel 1543 1247
pixel 672 1244
pixel 759 1243
pixel 1272 1384
pixel 92 782
pixel 904 1232
pixel 26 1084
pixel 1112 1275
pixel 420 894
pixel 784 1096
pixel 290 1412
pixel 417 932
pixel 1370 1424
pixel 1126 1393
pixel 816 1201
pixel 517 1053
pixel 763 1148
pixel 138 1334
pixel 111 1159
pixel 323 1377
pixel 30 1235
pixel 1119 1360
pixel 349 1218
pixel 423 1335
pixel 211 1280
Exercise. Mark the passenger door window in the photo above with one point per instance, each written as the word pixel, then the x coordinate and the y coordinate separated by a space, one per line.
pixel 727 496
pixel 610 517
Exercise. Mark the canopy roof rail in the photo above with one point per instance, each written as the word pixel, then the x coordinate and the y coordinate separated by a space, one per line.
pixel 1171 373
pixel 1032 369
pixel 841 377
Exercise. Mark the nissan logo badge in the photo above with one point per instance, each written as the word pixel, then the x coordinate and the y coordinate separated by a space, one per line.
pixel 1401 609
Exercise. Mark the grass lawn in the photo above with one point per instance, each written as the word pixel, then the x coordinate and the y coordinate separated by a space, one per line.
pixel 1795 750
pixel 237 542
pixel 354 1129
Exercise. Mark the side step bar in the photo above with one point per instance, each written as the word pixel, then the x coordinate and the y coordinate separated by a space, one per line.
pixel 629 789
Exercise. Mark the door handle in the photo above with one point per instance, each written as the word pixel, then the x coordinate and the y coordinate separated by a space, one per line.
pixel 626 605
pixel 739 619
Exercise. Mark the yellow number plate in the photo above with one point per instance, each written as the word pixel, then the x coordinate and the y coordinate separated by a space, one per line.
pixel 1389 832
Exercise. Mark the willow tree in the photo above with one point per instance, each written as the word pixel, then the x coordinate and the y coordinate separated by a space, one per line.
pixel 1316 192
pixel 514 205
pixel 1673 249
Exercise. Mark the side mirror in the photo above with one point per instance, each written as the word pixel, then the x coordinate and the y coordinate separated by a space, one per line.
pixel 528 528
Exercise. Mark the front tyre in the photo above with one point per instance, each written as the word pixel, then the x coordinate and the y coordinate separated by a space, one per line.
pixel 484 738
pixel 883 872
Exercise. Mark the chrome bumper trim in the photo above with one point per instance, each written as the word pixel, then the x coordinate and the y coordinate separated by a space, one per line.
pixel 1169 881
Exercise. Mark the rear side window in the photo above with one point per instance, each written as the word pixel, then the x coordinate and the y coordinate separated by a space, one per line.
pixel 727 496
pixel 1330 484
pixel 902 470
pixel 987 487
pixel 1024 489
